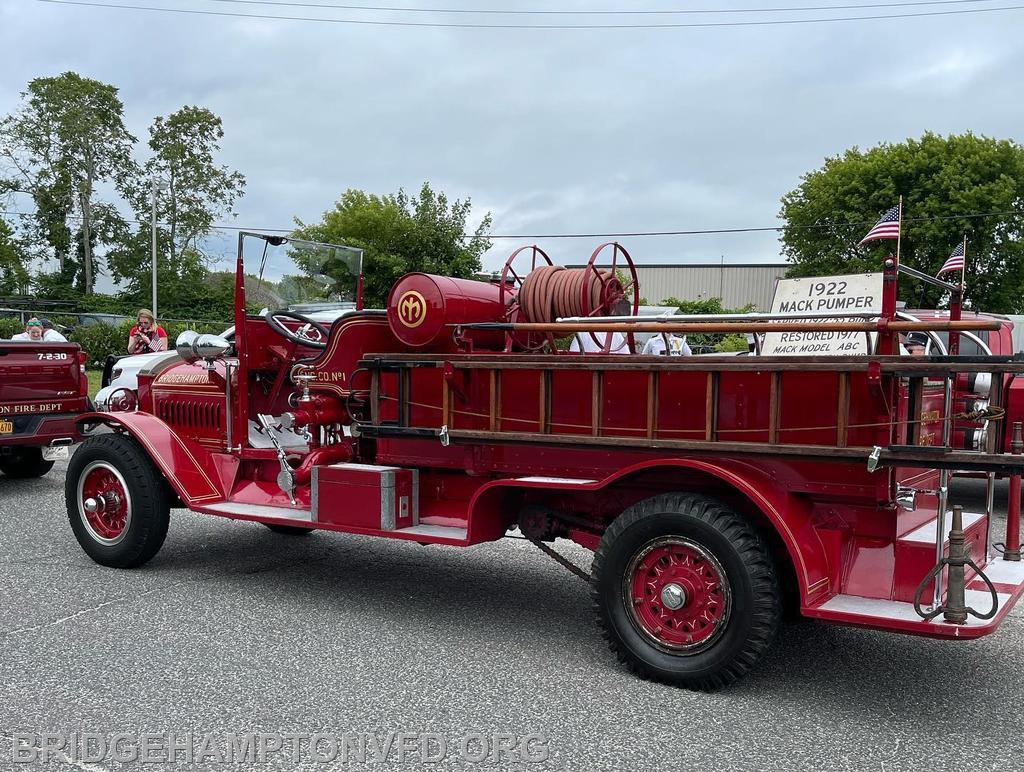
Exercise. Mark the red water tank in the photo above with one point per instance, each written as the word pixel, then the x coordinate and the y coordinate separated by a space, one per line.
pixel 421 308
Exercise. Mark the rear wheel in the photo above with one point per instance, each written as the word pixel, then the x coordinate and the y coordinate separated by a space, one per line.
pixel 24 463
pixel 685 591
pixel 116 501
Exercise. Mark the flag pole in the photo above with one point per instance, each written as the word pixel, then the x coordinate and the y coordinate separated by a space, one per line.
pixel 899 230
pixel 963 270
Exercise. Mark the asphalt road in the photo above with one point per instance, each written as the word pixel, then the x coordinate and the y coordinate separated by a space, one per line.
pixel 234 629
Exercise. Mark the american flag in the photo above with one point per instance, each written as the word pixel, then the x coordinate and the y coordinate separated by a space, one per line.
pixel 887 227
pixel 955 262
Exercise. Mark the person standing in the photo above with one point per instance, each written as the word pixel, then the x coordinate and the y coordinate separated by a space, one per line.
pixel 33 332
pixel 675 346
pixel 146 336
pixel 50 335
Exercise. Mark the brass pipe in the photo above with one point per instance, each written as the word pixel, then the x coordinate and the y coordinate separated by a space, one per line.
pixel 567 328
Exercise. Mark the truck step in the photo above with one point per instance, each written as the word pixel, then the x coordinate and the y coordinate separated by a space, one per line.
pixel 892 614
pixel 915 552
pixel 257 511
pixel 443 534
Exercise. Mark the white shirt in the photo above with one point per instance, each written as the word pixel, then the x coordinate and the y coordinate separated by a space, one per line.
pixel 591 346
pixel 655 345
pixel 52 336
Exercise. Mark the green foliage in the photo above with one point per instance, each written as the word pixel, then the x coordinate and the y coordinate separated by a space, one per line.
pixel 102 340
pixel 401 233
pixel 9 327
pixel 198 191
pixel 721 342
pixel 13 274
pixel 939 177
pixel 733 342
pixel 68 137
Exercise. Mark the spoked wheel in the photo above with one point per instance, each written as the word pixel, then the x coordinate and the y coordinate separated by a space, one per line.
pixel 117 501
pixel 509 295
pixel 685 591
pixel 603 293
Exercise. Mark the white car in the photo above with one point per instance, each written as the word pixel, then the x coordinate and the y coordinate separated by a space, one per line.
pixel 120 385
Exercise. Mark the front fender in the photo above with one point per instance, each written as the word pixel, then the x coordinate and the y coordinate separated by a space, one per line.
pixel 183 464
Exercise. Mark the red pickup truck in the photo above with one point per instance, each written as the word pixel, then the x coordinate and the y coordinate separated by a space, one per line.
pixel 43 389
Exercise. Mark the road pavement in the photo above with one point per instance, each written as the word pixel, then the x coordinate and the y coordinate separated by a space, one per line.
pixel 233 631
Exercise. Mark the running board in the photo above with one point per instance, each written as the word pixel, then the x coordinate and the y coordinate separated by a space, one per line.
pixel 435 534
pixel 891 615
pixel 257 512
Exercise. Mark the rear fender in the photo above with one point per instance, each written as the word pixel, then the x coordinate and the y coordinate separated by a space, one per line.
pixel 788 516
pixel 183 464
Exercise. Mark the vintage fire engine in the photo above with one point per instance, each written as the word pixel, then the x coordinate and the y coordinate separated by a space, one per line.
pixel 714 490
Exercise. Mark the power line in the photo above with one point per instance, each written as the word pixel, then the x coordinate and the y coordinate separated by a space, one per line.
pixel 631 234
pixel 577 12
pixel 474 25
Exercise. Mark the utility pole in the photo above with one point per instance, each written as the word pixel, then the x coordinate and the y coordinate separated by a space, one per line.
pixel 157 187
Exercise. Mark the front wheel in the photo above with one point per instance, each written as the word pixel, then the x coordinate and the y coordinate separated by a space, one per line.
pixel 685 591
pixel 24 463
pixel 116 501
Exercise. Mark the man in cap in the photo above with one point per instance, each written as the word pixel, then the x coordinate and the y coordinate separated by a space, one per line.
pixel 50 335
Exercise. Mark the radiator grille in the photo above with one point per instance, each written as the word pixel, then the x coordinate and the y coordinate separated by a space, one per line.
pixel 193 414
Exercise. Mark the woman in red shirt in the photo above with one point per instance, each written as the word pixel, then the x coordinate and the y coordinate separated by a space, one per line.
pixel 146 336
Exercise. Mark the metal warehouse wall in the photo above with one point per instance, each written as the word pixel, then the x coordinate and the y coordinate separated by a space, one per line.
pixel 737 285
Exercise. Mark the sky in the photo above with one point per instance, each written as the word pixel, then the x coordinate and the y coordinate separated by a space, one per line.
pixel 551 131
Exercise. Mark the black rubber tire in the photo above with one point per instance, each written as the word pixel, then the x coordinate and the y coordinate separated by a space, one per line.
pixel 289 530
pixel 25 463
pixel 756 605
pixel 150 514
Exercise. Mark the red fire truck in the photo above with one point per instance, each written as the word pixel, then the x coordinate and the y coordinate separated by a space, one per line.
pixel 714 490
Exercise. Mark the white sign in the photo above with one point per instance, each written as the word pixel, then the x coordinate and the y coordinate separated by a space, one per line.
pixel 823 297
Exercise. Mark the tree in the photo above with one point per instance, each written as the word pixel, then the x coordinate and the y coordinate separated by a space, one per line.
pixel 198 191
pixel 13 274
pixel 951 187
pixel 400 233
pixel 68 137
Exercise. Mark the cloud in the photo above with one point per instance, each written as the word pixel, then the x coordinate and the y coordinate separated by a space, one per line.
pixel 551 131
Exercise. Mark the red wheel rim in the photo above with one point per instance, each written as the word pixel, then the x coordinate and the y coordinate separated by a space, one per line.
pixel 677 595
pixel 104 503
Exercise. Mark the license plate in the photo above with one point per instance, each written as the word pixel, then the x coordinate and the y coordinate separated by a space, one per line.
pixel 56 454
pixel 6 427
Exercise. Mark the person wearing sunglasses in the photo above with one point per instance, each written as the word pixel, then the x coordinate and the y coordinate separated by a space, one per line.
pixel 146 336
pixel 33 332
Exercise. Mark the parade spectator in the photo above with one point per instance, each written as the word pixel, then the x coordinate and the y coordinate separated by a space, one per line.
pixel 146 336
pixel 615 342
pixel 50 335
pixel 676 346
pixel 915 344
pixel 33 332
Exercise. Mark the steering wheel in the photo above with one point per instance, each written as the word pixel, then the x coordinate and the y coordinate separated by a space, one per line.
pixel 305 335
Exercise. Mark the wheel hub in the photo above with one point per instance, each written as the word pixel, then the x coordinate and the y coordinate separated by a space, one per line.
pixel 104 503
pixel 678 595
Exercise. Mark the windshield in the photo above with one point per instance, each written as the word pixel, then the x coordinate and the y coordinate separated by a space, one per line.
pixel 288 273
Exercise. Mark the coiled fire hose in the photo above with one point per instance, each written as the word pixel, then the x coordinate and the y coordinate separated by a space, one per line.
pixel 553 291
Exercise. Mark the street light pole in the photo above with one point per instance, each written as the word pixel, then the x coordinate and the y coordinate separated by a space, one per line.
pixel 157 187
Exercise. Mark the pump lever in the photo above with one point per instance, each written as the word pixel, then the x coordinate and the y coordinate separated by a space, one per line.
pixel 286 477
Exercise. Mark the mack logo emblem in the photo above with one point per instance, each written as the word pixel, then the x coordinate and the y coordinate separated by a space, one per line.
pixel 412 308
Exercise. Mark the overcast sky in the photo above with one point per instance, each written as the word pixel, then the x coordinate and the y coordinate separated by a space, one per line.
pixel 552 131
